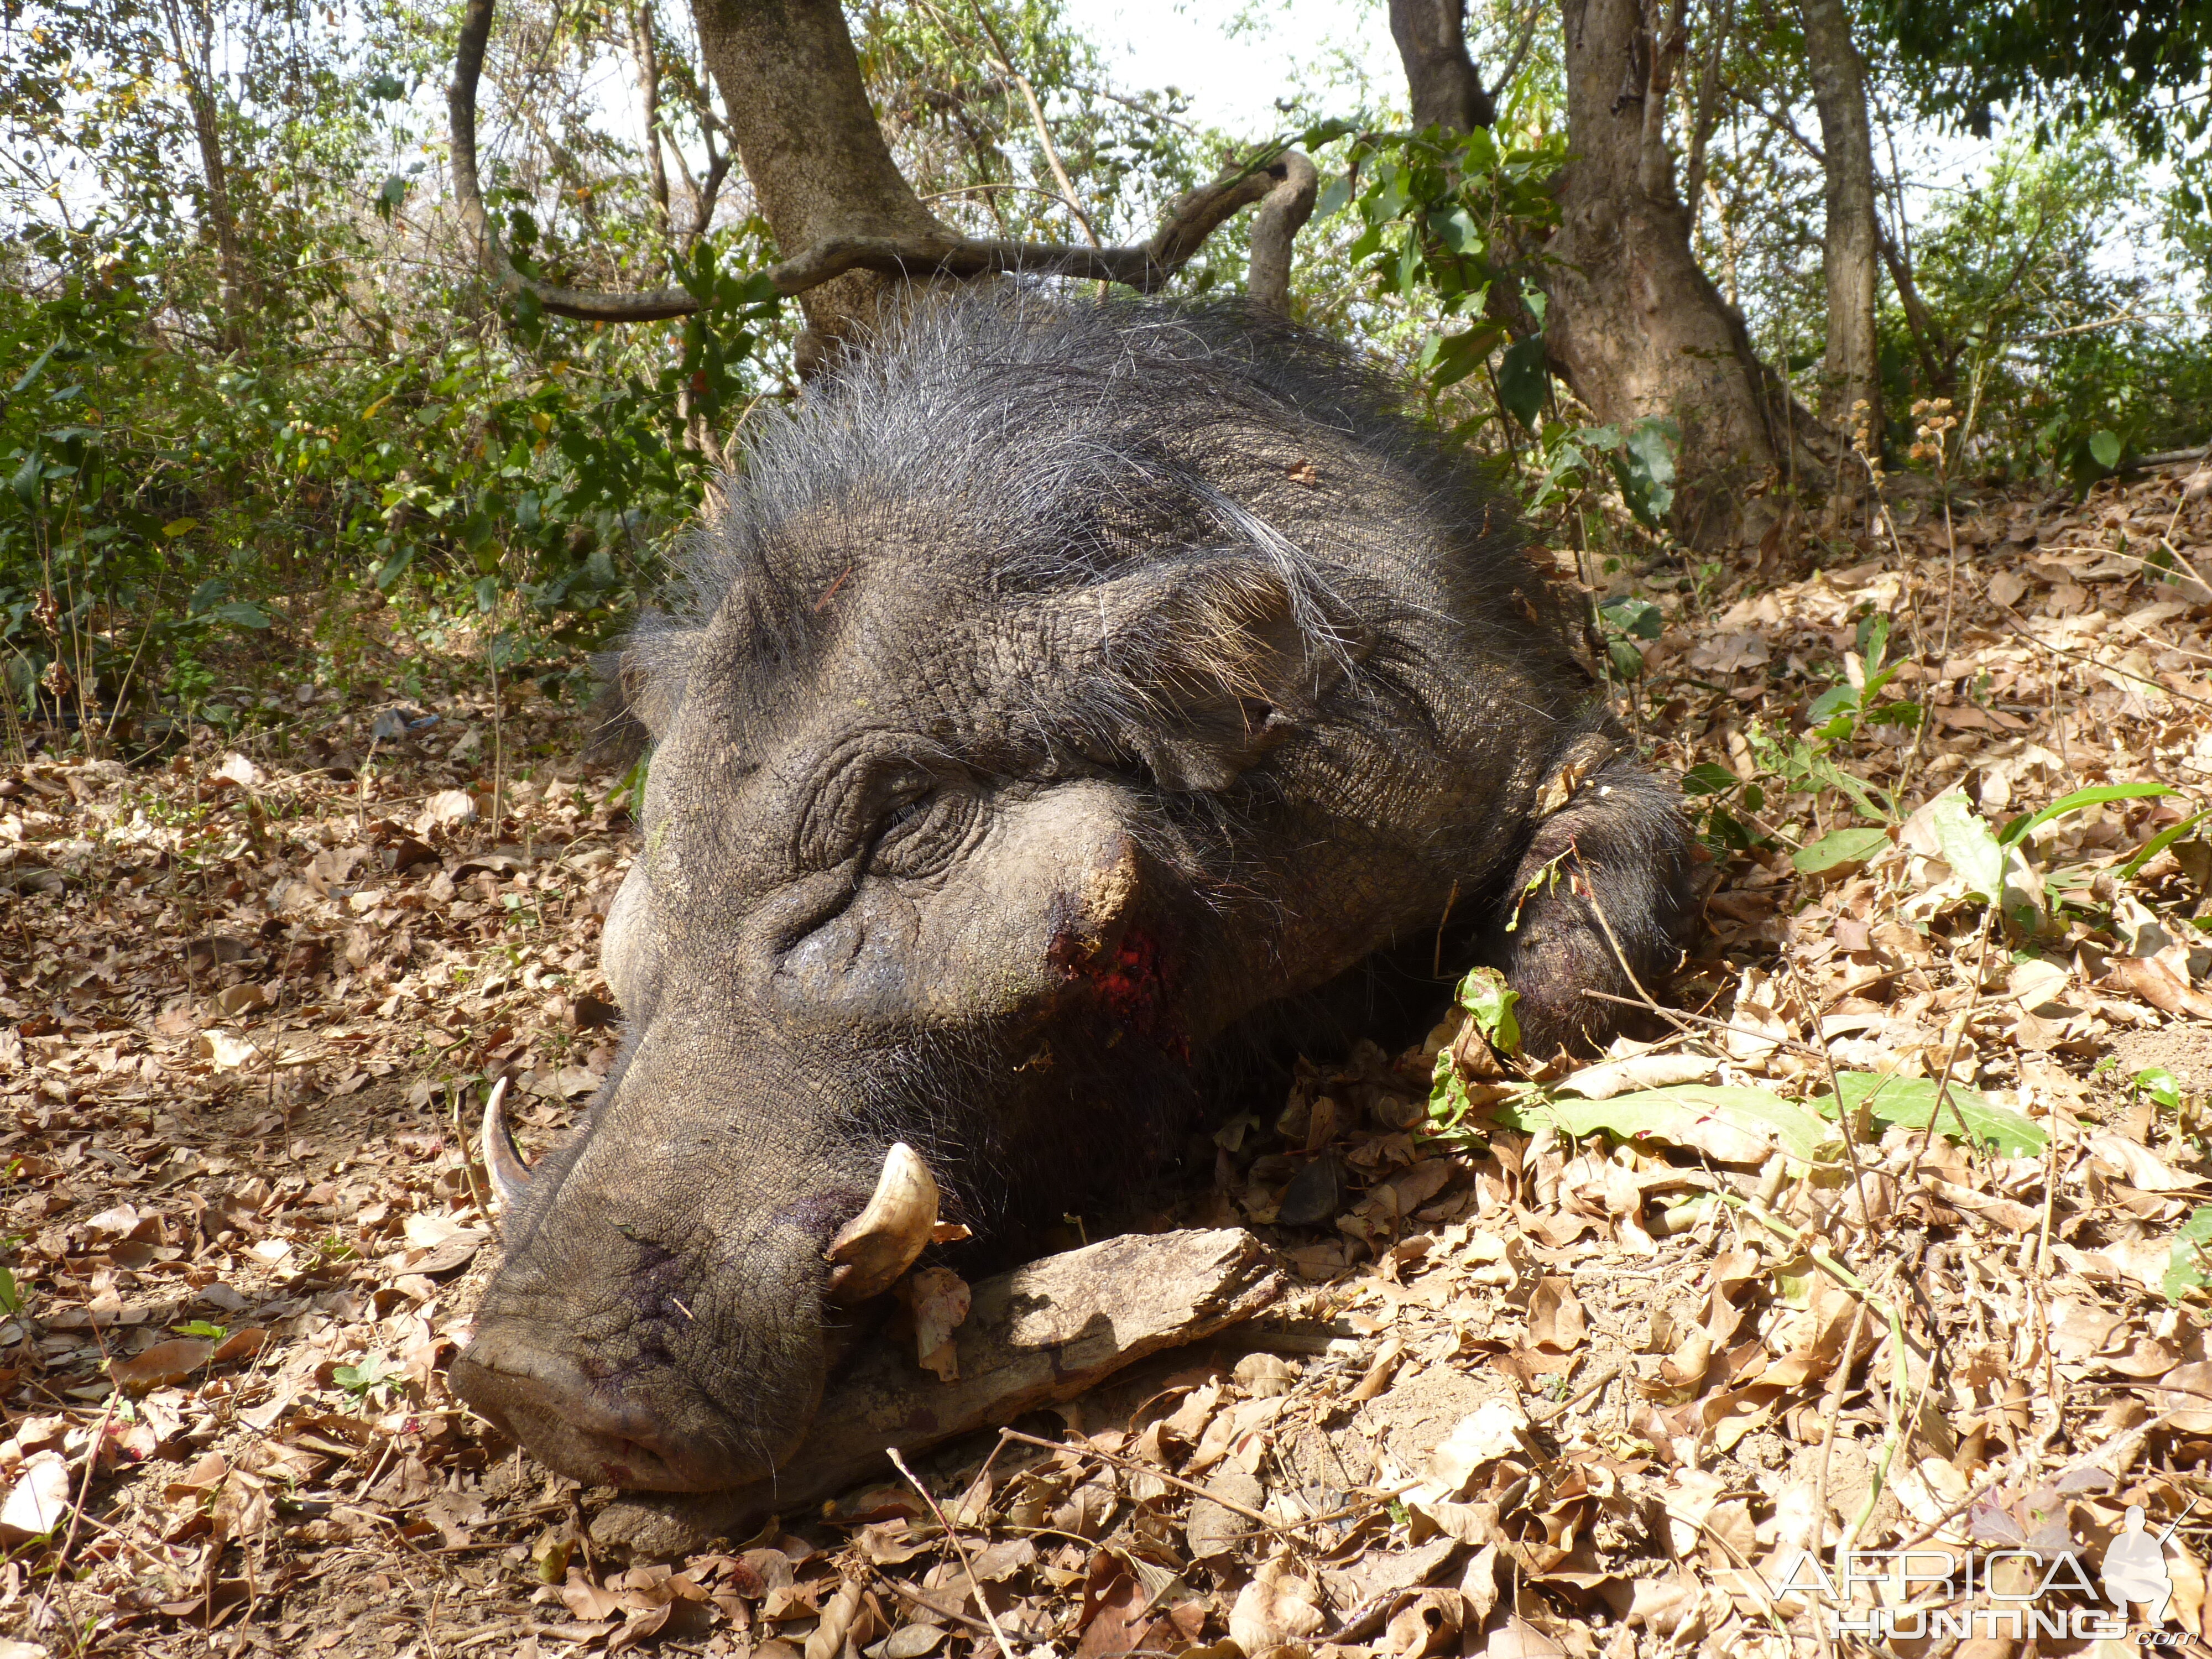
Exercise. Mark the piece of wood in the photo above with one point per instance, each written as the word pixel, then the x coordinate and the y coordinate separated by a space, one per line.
pixel 1040 1335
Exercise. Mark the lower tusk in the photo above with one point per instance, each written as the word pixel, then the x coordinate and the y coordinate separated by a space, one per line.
pixel 876 1246
pixel 502 1159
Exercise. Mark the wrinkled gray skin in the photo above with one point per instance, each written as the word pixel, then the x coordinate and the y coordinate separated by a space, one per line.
pixel 1062 698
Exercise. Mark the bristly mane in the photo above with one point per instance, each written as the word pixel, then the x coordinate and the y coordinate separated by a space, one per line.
pixel 1065 443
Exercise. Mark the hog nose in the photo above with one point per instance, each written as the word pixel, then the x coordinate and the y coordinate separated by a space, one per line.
pixel 591 1431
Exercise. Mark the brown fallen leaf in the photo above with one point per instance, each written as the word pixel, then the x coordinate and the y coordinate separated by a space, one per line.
pixel 161 1365
pixel 941 1301
pixel 1556 1321
pixel 1116 1616
pixel 1276 1607
pixel 38 1500
pixel 2158 985
pixel 1428 1624
pixel 240 1344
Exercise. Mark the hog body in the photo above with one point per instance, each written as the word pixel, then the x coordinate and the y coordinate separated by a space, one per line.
pixel 1060 698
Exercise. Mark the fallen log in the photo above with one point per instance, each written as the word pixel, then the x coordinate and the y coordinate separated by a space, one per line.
pixel 1040 1335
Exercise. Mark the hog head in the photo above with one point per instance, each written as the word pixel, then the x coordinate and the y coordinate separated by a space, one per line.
pixel 1053 690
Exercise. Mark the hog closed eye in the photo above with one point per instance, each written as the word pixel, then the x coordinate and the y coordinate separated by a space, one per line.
pixel 922 835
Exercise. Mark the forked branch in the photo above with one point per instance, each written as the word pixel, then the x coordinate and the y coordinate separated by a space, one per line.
pixel 1283 213
pixel 1286 179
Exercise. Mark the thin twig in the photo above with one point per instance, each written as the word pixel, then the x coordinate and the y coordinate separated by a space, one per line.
pixel 1959 1040
pixel 1834 1410
pixel 1899 1435
pixel 468 1163
pixel 2012 619
pixel 1590 891
pixel 1228 1503
pixel 1835 1089
pixel 960 1549
pixel 1708 1021
pixel 907 1593
pixel 1037 120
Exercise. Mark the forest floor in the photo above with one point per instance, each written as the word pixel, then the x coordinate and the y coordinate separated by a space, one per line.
pixel 1553 1391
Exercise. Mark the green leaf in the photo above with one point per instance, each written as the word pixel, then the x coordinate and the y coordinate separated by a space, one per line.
pixel 1334 195
pixel 1871 641
pixel 1730 1125
pixel 202 1329
pixel 1909 1102
pixel 1708 778
pixel 1523 379
pixel 25 481
pixel 2184 1268
pixel 2161 1085
pixel 373 1371
pixel 2157 844
pixel 1452 357
pixel 1640 619
pixel 1837 700
pixel 1486 995
pixel 1456 231
pixel 2105 447
pixel 11 1294
pixel 242 613
pixel 177 528
pixel 1968 845
pixel 23 382
pixel 2028 822
pixel 1645 469
pixel 1840 849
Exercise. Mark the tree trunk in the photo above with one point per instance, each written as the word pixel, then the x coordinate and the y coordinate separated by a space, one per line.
pixel 1635 327
pixel 810 144
pixel 1851 375
pixel 648 87
pixel 1431 37
pixel 195 54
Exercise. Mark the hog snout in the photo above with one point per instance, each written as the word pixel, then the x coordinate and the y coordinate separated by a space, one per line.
pixel 642 1389
pixel 591 1431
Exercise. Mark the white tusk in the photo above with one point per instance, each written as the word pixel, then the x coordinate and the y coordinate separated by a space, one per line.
pixel 876 1246
pixel 502 1159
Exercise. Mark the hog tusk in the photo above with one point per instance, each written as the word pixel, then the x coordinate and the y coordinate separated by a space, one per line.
pixel 876 1246
pixel 502 1159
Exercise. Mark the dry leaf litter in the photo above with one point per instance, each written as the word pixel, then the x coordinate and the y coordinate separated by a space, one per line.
pixel 1886 1239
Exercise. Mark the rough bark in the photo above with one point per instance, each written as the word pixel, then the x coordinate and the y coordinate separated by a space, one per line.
pixel 1039 1334
pixel 1938 354
pixel 647 50
pixel 1851 373
pixel 1283 212
pixel 831 186
pixel 809 142
pixel 1635 326
pixel 1447 90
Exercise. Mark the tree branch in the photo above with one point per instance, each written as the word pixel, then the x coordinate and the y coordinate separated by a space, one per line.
pixel 648 77
pixel 1447 91
pixel 1283 212
pixel 1708 114
pixel 1146 267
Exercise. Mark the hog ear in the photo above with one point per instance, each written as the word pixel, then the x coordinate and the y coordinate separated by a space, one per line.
pixel 1204 667
pixel 640 687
